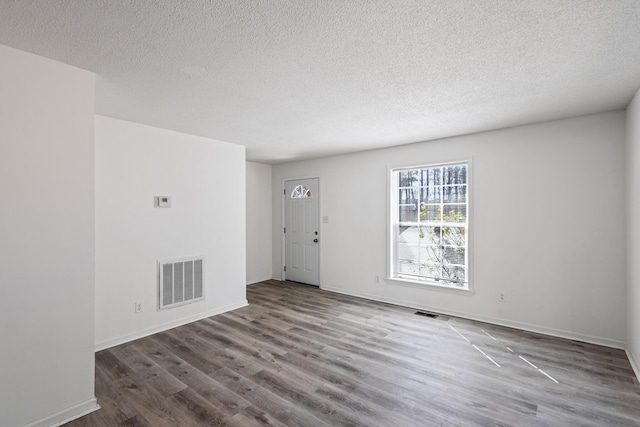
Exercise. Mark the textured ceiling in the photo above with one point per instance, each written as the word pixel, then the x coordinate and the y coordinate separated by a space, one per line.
pixel 293 79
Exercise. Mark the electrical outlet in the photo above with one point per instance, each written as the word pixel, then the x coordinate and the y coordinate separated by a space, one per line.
pixel 139 307
pixel 502 297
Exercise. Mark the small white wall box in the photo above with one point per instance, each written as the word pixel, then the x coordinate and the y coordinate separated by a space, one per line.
pixel 163 201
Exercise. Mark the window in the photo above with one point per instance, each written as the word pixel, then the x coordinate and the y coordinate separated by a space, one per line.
pixel 430 225
pixel 301 192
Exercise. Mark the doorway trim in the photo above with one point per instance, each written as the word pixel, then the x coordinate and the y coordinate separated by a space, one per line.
pixel 283 208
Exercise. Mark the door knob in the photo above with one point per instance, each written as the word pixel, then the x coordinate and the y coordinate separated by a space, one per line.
pixel 315 240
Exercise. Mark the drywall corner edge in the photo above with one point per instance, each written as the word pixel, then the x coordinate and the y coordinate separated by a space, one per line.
pixel 633 363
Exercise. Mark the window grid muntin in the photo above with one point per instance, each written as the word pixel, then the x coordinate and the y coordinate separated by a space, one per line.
pixel 434 190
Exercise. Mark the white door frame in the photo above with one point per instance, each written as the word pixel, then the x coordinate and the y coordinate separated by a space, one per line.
pixel 283 209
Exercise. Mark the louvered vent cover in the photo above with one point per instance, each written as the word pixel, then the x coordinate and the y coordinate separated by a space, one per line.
pixel 181 281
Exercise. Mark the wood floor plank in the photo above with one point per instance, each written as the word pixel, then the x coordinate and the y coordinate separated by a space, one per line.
pixel 280 408
pixel 188 351
pixel 198 410
pixel 300 356
pixel 314 404
pixel 203 384
pixel 254 417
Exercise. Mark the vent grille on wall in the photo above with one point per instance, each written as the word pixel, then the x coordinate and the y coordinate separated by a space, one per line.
pixel 181 281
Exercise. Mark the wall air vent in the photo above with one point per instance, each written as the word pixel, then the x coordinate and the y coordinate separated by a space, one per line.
pixel 181 281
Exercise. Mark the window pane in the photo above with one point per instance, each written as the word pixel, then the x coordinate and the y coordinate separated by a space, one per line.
pixel 434 195
pixel 422 236
pixel 454 174
pixel 430 270
pixel 408 213
pixel 408 178
pixel 453 255
pixel 431 213
pixel 407 195
pixel 433 255
pixel 408 205
pixel 457 194
pixel 455 213
pixel 410 235
pixel 429 235
pixel 454 236
pixel 430 194
pixel 407 267
pixel 431 176
pixel 406 251
pixel 455 274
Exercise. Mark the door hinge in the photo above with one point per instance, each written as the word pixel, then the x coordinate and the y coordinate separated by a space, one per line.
pixel 284 191
pixel 285 268
pixel 285 229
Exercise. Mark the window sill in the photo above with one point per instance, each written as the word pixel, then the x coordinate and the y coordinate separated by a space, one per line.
pixel 431 286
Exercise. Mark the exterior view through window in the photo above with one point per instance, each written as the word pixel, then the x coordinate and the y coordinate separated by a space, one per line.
pixel 430 224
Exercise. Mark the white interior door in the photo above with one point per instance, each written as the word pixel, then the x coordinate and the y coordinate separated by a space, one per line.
pixel 301 236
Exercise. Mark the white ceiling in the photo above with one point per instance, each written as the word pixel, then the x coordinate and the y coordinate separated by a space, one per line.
pixel 299 79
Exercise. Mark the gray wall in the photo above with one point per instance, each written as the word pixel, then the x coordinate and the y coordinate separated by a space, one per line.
pixel 47 240
pixel 259 211
pixel 633 232
pixel 548 225
pixel 206 180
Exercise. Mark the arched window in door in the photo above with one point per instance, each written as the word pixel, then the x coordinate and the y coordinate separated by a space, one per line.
pixel 301 192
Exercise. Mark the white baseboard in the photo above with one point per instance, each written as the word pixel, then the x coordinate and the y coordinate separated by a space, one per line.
pixel 272 278
pixel 69 414
pixel 634 365
pixel 252 281
pixel 165 326
pixel 607 342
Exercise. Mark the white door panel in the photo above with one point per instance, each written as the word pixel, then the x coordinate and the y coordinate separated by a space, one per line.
pixel 302 210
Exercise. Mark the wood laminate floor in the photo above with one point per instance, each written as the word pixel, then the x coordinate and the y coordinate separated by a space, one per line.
pixel 299 356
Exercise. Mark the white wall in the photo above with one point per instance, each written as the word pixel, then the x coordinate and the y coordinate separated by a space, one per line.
pixel 206 180
pixel 633 232
pixel 47 243
pixel 259 220
pixel 548 216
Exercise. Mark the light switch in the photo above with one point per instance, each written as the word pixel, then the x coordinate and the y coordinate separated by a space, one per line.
pixel 163 201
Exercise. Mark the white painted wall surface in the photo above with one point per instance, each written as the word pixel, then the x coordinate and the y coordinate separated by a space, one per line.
pixel 633 232
pixel 259 220
pixel 548 217
pixel 206 180
pixel 47 241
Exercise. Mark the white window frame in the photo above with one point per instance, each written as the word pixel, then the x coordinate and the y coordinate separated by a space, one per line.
pixel 392 219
